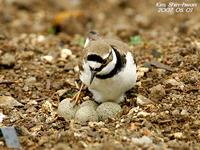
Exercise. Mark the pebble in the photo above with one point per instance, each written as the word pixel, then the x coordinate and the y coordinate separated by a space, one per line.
pixel 142 21
pixel 47 58
pixel 62 146
pixel 141 71
pixel 25 88
pixel 2 116
pixel 86 98
pixel 175 112
pixel 143 114
pixel 108 110
pixel 145 140
pixel 134 110
pixel 61 92
pixel 8 101
pixel 196 122
pixel 142 100
pixel 178 135
pixel 157 92
pixel 47 107
pixel 86 114
pixel 197 45
pixel 198 132
pixel 94 124
pixel 172 82
pixel 160 71
pixel 30 80
pixel 65 53
pixel 8 60
pixel 67 109
pixel 41 38
pixel 2 36
pixel 184 112
pixel 76 68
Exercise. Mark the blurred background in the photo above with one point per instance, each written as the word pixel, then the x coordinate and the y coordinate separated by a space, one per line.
pixel 41 45
pixel 123 18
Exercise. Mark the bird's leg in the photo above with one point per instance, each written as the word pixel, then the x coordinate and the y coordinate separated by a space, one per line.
pixel 77 95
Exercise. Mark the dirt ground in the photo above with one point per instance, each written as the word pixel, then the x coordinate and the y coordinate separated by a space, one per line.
pixel 32 72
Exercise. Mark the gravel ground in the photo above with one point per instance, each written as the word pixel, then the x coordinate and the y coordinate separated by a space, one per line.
pixel 161 112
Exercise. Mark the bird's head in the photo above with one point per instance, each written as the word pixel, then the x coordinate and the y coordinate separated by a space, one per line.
pixel 101 58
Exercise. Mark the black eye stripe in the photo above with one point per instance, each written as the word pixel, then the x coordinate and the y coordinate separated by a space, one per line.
pixel 93 57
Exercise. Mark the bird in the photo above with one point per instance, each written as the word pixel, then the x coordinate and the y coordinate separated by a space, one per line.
pixel 108 68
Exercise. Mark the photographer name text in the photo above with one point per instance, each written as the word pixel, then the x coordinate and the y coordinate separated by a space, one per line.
pixel 174 7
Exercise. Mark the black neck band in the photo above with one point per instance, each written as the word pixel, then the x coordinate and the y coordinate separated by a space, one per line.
pixel 118 66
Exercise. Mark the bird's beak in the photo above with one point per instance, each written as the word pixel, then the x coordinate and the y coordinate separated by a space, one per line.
pixel 87 41
pixel 93 73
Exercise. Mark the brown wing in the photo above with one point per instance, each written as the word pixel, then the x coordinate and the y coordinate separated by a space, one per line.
pixel 122 47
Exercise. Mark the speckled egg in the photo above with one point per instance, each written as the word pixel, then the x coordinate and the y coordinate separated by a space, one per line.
pixel 89 103
pixel 67 109
pixel 86 114
pixel 108 110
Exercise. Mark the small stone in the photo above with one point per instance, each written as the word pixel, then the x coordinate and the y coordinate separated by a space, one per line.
pixel 117 126
pixel 61 92
pixel 8 101
pixel 8 60
pixel 76 68
pixel 133 126
pixel 141 71
pixel 86 114
pixel 65 53
pixel 108 110
pixel 142 21
pixel 96 124
pixel 2 36
pixel 157 92
pixel 172 82
pixel 197 45
pixel 196 122
pixel 30 80
pixel 47 58
pixel 62 146
pixel 175 112
pixel 47 107
pixel 160 71
pixel 133 110
pixel 145 140
pixel 178 135
pixel 142 100
pixel 89 103
pixel 198 132
pixel 86 98
pixel 67 109
pixel 2 116
pixel 25 88
pixel 143 114
pixel 40 38
pixel 32 102
pixel 184 112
